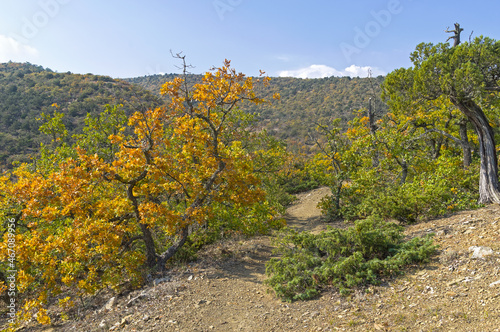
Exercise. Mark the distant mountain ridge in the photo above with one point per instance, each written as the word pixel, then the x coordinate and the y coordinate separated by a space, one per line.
pixel 27 90
pixel 304 102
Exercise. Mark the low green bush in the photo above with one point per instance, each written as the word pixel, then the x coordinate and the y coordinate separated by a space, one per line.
pixel 341 258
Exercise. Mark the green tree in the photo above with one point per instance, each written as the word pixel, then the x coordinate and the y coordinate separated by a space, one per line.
pixel 468 75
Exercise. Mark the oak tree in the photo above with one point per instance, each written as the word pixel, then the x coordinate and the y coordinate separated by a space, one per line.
pixel 119 205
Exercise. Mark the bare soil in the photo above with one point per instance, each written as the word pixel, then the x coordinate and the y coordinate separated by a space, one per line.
pixel 224 291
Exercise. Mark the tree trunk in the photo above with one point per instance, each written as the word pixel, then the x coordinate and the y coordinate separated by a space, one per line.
pixel 456 36
pixel 466 150
pixel 373 130
pixel 404 172
pixel 172 250
pixel 488 176
pixel 437 144
pixel 151 256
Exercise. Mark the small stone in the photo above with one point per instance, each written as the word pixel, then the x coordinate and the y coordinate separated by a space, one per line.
pixel 126 320
pixel 114 327
pixel 160 280
pixel 190 277
pixel 109 305
pixel 456 281
pixel 103 324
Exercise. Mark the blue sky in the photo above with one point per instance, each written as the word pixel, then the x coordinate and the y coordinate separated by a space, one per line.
pixel 315 38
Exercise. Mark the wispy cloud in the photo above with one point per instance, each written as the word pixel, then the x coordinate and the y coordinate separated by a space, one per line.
pixel 284 58
pixel 319 71
pixel 11 49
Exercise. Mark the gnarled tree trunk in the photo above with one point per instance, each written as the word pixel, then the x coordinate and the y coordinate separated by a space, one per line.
pixel 488 178
pixel 466 150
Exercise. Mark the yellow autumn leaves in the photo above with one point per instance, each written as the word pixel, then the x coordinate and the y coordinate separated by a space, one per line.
pixel 92 220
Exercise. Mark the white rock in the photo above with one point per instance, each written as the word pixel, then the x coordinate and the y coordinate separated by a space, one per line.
pixel 480 252
pixel 109 305
pixel 495 283
pixel 141 296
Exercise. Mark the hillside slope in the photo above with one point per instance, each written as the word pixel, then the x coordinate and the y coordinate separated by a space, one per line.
pixel 224 291
pixel 303 104
pixel 27 90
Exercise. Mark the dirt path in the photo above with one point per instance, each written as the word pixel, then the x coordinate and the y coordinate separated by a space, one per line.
pixel 453 292
pixel 222 294
pixel 304 215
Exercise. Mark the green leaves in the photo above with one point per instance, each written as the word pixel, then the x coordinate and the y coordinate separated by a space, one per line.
pixel 341 258
pixel 465 75
pixel 466 71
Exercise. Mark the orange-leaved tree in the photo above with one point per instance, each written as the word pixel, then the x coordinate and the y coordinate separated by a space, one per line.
pixel 96 219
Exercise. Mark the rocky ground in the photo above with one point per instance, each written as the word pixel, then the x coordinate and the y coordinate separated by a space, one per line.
pixel 224 291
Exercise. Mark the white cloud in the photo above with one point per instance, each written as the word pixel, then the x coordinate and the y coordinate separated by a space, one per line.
pixel 319 71
pixel 313 71
pixel 12 50
pixel 357 71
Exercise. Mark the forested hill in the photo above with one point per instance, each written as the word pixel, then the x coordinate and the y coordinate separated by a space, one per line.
pixel 304 102
pixel 27 90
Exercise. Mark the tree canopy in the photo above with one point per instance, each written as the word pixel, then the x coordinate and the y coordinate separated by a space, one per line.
pixel 467 75
pixel 122 200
